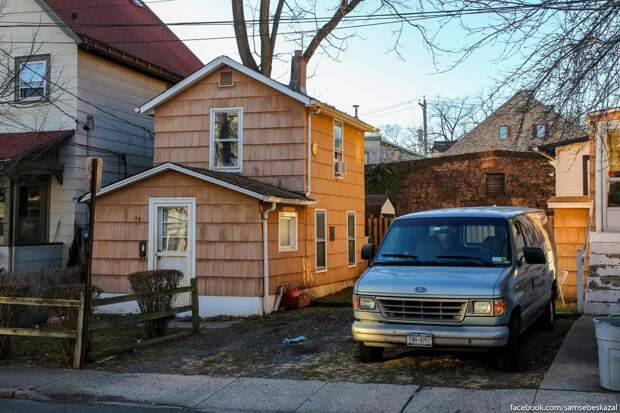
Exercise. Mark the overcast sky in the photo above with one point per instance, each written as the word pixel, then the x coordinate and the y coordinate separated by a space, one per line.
pixel 367 73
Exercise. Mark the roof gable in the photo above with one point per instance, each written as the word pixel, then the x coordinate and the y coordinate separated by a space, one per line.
pixel 131 28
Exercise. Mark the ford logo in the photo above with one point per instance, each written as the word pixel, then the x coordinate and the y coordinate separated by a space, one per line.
pixel 420 290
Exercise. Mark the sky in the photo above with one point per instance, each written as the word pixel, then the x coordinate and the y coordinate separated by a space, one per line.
pixel 366 74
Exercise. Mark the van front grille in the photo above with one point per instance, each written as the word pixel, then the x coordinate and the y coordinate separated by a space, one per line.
pixel 422 309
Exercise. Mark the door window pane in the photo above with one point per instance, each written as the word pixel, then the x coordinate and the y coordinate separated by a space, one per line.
pixel 226 138
pixel 32 213
pixel 173 229
pixel 321 244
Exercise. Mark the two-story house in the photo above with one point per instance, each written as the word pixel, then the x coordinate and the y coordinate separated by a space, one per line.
pixel 257 185
pixel 78 69
pixel 519 125
pixel 379 150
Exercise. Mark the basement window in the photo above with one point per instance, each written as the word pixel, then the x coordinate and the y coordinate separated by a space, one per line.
pixel 495 184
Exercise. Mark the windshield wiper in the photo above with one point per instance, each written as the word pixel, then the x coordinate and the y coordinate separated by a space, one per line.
pixel 396 255
pixel 464 257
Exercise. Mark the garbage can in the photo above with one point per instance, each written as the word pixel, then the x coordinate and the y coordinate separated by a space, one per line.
pixel 607 330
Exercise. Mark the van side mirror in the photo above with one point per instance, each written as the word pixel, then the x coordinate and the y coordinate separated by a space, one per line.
pixel 368 252
pixel 534 255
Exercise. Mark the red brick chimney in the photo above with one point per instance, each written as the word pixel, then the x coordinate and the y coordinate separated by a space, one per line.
pixel 298 72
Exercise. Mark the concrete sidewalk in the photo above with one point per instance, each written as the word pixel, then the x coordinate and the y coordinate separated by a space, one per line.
pixel 223 394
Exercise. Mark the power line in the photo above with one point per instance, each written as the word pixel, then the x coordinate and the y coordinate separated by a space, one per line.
pixel 569 5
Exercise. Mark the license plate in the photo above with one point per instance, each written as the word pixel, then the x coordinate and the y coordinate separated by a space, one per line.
pixel 420 340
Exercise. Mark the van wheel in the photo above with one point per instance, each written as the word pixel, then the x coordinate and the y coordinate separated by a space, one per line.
pixel 547 318
pixel 370 354
pixel 509 357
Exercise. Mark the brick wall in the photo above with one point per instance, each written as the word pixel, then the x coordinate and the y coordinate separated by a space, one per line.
pixel 460 180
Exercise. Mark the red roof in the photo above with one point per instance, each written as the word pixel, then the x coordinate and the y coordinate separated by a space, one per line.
pixel 13 145
pixel 154 43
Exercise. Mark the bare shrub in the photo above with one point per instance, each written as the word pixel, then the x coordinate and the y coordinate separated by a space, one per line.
pixel 8 313
pixel 145 284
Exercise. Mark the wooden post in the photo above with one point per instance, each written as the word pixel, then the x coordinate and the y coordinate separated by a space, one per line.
pixel 580 262
pixel 78 356
pixel 91 230
pixel 195 309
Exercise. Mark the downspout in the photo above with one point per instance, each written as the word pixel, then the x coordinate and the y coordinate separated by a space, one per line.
pixel 265 306
pixel 309 150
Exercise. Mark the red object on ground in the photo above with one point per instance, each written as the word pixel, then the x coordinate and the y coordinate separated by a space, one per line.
pixel 294 298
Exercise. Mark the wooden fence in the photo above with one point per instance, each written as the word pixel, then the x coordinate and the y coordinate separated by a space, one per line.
pixel 51 333
pixel 97 326
pixel 377 227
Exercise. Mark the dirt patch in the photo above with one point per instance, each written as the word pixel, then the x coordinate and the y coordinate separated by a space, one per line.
pixel 253 348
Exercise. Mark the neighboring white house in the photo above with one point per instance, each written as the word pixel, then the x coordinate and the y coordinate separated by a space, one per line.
pixel 76 82
pixel 379 150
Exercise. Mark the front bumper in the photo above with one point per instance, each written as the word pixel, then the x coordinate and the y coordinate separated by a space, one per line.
pixel 390 334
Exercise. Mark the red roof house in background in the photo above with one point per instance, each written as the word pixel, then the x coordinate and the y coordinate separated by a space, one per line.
pixel 139 37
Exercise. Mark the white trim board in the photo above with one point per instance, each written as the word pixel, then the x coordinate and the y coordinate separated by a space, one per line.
pixel 174 167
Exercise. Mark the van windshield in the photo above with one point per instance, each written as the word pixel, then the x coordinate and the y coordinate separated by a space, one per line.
pixel 452 242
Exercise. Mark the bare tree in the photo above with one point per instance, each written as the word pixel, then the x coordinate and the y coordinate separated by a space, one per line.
pixel 566 52
pixel 298 14
pixel 451 119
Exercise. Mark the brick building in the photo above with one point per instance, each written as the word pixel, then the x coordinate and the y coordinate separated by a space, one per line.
pixel 487 178
pixel 520 124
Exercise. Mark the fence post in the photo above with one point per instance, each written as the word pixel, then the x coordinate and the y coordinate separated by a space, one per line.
pixel 580 262
pixel 195 309
pixel 80 342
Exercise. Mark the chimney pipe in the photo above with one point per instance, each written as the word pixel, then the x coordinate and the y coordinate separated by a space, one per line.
pixel 356 107
pixel 298 72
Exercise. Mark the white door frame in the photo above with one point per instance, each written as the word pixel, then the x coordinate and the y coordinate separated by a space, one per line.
pixel 190 203
pixel 602 180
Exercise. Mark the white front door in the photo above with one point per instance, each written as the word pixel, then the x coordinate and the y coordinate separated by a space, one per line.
pixel 172 231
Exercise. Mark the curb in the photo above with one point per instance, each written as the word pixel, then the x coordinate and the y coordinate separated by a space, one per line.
pixel 11 393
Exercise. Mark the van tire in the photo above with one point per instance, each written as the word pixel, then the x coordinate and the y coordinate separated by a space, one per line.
pixel 370 354
pixel 547 318
pixel 509 357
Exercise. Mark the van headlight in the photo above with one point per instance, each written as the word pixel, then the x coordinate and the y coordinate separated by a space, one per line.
pixel 483 308
pixel 494 307
pixel 364 303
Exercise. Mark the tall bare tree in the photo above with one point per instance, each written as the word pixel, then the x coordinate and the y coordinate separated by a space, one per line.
pixel 298 14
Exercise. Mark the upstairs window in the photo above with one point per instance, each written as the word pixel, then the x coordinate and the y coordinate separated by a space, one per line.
pixel 541 131
pixel 338 146
pixel 32 80
pixel 226 139
pixel 504 132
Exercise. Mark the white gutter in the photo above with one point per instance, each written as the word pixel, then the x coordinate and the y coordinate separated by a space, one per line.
pixel 266 212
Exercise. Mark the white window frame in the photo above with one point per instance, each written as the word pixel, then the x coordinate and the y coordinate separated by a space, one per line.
pixel 354 263
pixel 20 62
pixel 544 128
pixel 292 216
pixel 337 122
pixel 212 153
pixel 316 254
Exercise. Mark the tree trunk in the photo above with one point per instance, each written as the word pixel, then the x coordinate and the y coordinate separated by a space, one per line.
pixel 241 34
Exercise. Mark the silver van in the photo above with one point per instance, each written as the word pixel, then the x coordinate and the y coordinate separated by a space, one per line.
pixel 458 278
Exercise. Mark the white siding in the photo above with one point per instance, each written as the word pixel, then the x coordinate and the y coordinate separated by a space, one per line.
pixel 569 169
pixel 113 87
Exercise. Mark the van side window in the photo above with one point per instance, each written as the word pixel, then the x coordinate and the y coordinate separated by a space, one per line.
pixel 519 238
pixel 533 237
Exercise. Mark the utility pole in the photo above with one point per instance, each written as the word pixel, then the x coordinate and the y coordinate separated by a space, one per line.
pixel 425 126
